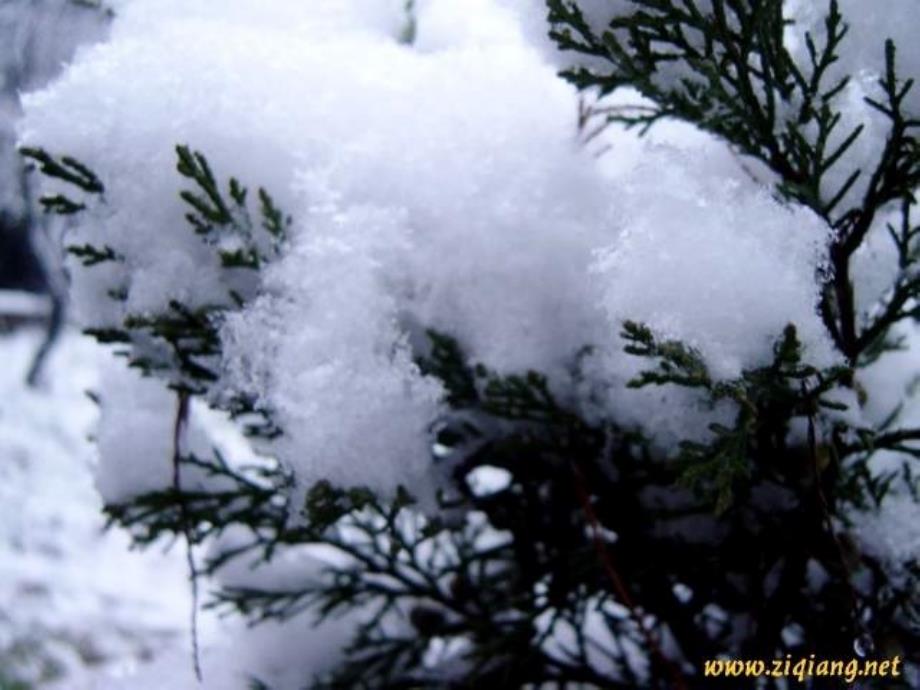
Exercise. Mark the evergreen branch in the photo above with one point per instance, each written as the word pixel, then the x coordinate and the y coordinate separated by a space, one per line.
pixel 502 598
pixel 108 336
pixel 209 204
pixel 447 363
pixel 191 336
pixel 736 71
pixel 767 399
pixel 60 205
pixel 225 221
pixel 66 168
pixel 90 255
pixel 870 441
pixel 273 219
pixel 677 363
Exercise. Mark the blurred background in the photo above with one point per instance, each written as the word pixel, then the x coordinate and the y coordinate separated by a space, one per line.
pixel 78 609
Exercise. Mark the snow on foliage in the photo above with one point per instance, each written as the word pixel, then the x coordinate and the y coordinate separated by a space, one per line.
pixel 136 454
pixel 675 267
pixel 862 59
pixel 461 204
pixel 394 170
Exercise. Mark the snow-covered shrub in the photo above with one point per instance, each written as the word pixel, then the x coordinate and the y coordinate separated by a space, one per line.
pixel 532 399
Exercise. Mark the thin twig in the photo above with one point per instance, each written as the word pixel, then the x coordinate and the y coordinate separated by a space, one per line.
pixel 619 586
pixel 182 409
pixel 826 518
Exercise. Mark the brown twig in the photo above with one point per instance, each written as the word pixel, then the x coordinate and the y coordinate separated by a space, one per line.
pixel 182 409
pixel 619 586
pixel 826 518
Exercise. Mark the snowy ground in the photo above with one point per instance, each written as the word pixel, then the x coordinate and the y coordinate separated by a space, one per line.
pixel 78 609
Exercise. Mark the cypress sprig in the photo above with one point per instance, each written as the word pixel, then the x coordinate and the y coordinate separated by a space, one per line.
pixel 738 80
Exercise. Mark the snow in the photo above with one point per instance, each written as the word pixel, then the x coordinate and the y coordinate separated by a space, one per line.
pixel 532 16
pixel 861 58
pixel 863 50
pixel 139 452
pixel 276 654
pixel 37 37
pixel 892 534
pixel 418 202
pixel 136 436
pixel 73 598
pixel 23 305
pixel 438 184
pixel 675 267
pixel 689 210
pixel 80 609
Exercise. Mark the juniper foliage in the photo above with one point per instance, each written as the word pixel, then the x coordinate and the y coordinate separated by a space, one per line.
pixel 739 81
pixel 597 562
